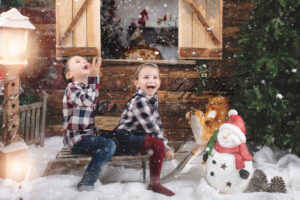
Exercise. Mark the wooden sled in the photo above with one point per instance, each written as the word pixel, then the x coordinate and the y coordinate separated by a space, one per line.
pixel 65 162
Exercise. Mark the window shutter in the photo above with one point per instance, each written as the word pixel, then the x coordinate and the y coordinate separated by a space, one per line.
pixel 78 28
pixel 200 29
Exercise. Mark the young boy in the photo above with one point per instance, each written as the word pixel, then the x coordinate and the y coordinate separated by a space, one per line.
pixel 79 106
pixel 140 129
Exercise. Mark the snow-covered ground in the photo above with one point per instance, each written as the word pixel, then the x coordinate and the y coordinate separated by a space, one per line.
pixel 189 185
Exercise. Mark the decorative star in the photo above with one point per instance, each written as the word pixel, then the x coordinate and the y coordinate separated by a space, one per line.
pixel 229 184
pixel 223 166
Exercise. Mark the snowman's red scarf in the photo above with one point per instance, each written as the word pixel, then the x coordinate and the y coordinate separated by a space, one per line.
pixel 240 152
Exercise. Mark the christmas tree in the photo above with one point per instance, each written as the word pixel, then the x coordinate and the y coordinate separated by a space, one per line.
pixel 110 31
pixel 10 3
pixel 266 81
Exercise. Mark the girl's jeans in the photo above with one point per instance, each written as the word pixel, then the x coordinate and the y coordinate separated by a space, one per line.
pixel 101 149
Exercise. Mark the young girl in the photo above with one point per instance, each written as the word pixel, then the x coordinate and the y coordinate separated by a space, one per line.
pixel 140 129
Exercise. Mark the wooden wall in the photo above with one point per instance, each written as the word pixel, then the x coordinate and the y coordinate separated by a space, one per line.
pixel 116 85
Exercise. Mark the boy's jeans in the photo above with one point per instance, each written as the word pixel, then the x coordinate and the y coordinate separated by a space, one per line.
pixel 101 149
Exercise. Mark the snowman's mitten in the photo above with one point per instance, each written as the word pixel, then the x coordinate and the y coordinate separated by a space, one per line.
pixel 205 156
pixel 244 174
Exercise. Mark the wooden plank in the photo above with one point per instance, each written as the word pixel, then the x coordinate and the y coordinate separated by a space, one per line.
pixel 45 29
pixel 70 51
pixel 93 26
pixel 220 24
pixel 66 154
pixel 32 124
pixel 31 106
pixel 185 37
pixel 203 21
pixel 22 124
pixel 27 126
pixel 74 20
pixel 64 17
pixel 200 52
pixel 37 123
pixel 112 62
pixel 200 35
pixel 43 119
pixel 79 27
pixel 106 122
pixel 229 32
pixel 38 15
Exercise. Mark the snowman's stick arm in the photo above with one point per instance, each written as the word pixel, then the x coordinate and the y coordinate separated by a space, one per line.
pixel 211 143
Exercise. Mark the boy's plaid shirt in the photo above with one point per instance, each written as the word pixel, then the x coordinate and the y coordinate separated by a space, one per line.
pixel 141 113
pixel 79 107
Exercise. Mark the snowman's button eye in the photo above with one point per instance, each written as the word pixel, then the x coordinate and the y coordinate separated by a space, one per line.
pixel 212 173
pixel 214 162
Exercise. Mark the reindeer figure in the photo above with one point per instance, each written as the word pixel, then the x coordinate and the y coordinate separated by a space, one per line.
pixel 205 124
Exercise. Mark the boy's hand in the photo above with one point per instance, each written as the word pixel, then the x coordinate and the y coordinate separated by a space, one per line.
pixel 95 68
pixel 169 155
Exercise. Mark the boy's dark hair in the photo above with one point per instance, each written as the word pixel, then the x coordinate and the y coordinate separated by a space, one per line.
pixel 66 68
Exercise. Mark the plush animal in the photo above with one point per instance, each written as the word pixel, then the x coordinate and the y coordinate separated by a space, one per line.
pixel 228 162
pixel 205 124
pixel 219 104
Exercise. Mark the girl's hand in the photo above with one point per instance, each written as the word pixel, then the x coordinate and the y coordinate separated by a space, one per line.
pixel 169 155
pixel 95 68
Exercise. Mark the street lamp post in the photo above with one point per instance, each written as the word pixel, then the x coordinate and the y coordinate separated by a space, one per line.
pixel 14 32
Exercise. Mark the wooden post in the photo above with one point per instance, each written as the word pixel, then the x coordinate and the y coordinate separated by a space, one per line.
pixel 13 163
pixel 11 104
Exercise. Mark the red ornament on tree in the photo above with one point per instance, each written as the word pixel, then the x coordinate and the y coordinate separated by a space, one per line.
pixel 143 18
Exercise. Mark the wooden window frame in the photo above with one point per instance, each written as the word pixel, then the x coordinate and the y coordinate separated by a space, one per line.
pixel 192 51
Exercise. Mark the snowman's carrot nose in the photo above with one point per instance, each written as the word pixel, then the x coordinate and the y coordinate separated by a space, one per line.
pixel 225 136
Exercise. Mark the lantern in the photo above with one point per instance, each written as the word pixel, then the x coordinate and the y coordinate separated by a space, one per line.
pixel 14 32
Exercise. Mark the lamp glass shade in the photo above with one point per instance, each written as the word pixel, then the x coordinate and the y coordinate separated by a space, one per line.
pixel 13 45
pixel 14 31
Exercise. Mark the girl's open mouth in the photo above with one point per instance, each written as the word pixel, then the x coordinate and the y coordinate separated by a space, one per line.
pixel 150 87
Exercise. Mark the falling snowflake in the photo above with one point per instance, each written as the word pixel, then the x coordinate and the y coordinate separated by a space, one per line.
pixel 279 96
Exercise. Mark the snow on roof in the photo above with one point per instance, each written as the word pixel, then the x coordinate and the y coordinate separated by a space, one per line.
pixel 14 19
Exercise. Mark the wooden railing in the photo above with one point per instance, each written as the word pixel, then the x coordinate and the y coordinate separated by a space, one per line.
pixel 32 122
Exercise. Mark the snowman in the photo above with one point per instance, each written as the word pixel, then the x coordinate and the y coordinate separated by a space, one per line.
pixel 228 162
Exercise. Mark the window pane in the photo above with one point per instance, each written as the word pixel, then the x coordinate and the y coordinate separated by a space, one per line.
pixel 145 29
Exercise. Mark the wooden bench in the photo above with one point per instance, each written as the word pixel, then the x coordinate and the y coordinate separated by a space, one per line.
pixel 65 162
